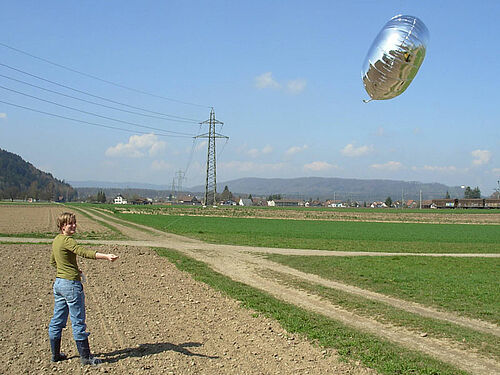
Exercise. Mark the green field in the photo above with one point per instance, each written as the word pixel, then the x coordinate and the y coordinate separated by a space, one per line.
pixel 330 235
pixel 468 286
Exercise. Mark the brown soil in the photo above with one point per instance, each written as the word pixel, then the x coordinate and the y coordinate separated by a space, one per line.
pixel 41 219
pixel 146 315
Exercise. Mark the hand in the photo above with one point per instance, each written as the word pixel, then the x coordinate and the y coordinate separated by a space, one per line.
pixel 112 257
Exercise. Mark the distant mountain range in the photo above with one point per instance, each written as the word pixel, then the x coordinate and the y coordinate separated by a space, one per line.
pixel 337 188
pixel 117 185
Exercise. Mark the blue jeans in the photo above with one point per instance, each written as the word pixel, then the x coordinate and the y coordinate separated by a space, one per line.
pixel 68 300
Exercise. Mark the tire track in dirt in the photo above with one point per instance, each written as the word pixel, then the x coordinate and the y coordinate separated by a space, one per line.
pixel 108 325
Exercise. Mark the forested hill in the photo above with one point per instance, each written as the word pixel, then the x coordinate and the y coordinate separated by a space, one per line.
pixel 21 180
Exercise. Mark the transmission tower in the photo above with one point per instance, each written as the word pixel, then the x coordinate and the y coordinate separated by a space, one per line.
pixel 179 175
pixel 211 181
pixel 173 187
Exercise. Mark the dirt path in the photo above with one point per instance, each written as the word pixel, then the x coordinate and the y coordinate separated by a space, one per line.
pixel 244 265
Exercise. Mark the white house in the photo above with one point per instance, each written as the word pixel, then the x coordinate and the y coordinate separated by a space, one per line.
pixel 245 202
pixel 378 205
pixel 119 200
pixel 337 205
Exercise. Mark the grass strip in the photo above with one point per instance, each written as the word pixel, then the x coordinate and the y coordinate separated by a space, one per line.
pixel 115 233
pixel 30 235
pixel 383 356
pixel 464 337
pixel 467 286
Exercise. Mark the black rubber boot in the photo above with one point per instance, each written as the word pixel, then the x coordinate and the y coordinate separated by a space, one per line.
pixel 85 357
pixel 55 347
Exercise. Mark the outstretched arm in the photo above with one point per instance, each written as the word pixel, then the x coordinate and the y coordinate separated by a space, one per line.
pixel 110 257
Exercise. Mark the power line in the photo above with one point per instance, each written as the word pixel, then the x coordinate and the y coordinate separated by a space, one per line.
pixel 88 122
pixel 95 96
pixel 91 102
pixel 101 79
pixel 93 114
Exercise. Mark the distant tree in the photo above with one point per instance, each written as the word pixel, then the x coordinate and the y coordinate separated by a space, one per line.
pixel 388 201
pixel 226 195
pixel 101 197
pixel 447 196
pixel 274 197
pixel 250 197
pixel 12 192
pixel 472 193
pixel 364 204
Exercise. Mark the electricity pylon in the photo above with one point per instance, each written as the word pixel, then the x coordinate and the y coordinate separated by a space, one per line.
pixel 211 181
pixel 179 175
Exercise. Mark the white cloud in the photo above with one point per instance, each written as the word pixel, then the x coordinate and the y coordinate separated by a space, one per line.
pixel 160 165
pixel 319 166
pixel 265 81
pixel 201 146
pixel 351 151
pixel 295 150
pixel 255 152
pixel 481 157
pixel 137 147
pixel 296 86
pixel 435 168
pixel 250 166
pixel 267 149
pixel 389 166
pixel 3 115
pixel 156 148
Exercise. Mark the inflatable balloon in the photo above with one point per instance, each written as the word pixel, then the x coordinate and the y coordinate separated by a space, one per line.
pixel 394 57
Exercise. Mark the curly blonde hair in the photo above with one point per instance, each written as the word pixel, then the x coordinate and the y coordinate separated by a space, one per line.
pixel 65 218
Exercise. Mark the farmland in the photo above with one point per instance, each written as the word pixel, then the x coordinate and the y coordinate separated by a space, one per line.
pixel 412 311
pixel 330 235
pixel 330 214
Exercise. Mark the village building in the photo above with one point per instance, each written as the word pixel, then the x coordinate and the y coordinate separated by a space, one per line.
pixel 245 202
pixel 188 199
pixel 119 200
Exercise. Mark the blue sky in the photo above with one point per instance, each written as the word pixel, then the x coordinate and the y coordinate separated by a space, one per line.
pixel 283 76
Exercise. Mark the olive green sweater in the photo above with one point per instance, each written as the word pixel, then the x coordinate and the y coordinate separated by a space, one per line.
pixel 64 252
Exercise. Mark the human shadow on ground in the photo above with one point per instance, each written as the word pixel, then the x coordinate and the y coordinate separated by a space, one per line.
pixel 148 349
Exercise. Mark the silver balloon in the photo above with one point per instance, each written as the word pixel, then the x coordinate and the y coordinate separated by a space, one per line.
pixel 394 57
